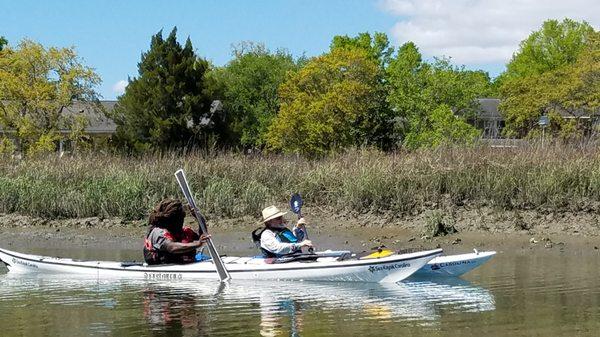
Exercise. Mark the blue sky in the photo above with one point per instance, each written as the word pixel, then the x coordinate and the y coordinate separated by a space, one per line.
pixel 110 35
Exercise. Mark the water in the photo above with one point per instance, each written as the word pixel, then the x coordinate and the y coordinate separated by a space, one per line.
pixel 537 293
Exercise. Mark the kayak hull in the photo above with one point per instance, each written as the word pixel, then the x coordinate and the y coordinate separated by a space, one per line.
pixel 453 265
pixel 388 269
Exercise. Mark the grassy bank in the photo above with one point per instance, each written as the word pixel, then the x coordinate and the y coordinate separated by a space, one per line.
pixel 551 178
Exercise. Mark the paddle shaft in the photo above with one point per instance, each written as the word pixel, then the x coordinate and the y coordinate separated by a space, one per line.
pixel 299 214
pixel 303 226
pixel 219 265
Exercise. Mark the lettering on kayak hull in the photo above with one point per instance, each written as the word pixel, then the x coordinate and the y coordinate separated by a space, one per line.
pixel 373 269
pixel 163 276
pixel 437 266
pixel 24 263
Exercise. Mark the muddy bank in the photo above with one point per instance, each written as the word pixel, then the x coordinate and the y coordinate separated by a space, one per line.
pixel 464 219
pixel 476 228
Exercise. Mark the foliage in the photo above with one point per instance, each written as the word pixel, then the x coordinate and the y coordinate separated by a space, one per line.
pixel 7 147
pixel 166 105
pixel 421 92
pixel 3 42
pixel 439 224
pixel 378 49
pixel 571 89
pixel 441 127
pixel 36 85
pixel 406 82
pixel 554 45
pixel 377 46
pixel 248 86
pixel 327 105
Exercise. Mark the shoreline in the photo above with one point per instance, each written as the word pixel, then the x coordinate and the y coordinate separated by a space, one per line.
pixel 482 229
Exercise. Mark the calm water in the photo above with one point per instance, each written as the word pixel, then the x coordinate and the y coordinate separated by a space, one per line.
pixel 538 293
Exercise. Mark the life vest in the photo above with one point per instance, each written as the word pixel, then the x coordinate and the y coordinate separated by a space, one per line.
pixel 283 235
pixel 155 256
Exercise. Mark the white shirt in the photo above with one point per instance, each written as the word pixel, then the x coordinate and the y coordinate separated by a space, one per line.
pixel 270 242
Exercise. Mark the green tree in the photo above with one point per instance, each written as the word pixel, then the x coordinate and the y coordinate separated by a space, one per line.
pixel 442 127
pixel 418 89
pixel 3 42
pixel 327 104
pixel 36 85
pixel 248 86
pixel 380 120
pixel 545 75
pixel 376 46
pixel 555 44
pixel 572 89
pixel 167 105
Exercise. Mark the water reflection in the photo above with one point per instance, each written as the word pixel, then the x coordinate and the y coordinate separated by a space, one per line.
pixel 181 308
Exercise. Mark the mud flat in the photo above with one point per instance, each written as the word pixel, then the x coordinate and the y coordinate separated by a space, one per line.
pixel 482 229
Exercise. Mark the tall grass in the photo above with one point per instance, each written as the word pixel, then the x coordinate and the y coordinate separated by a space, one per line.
pixel 228 185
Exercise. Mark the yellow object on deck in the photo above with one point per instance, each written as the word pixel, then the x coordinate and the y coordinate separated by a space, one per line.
pixel 378 254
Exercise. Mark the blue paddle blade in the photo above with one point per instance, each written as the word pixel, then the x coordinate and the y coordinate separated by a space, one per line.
pixel 296 203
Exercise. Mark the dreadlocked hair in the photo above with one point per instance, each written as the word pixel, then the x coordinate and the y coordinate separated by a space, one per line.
pixel 168 214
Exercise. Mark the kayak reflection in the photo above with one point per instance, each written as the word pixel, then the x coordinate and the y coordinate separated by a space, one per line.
pixel 181 308
pixel 172 314
pixel 287 308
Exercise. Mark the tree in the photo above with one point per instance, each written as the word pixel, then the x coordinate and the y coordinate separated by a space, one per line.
pixel 442 128
pixel 248 86
pixel 377 46
pixel 572 89
pixel 166 106
pixel 326 105
pixel 554 45
pixel 418 89
pixel 3 42
pixel 551 72
pixel 36 84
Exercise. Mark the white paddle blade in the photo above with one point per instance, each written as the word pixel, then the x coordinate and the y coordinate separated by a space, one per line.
pixel 219 265
pixel 183 184
pixel 187 192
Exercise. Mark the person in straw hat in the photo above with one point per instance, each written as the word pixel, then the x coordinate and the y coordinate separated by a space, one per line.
pixel 276 239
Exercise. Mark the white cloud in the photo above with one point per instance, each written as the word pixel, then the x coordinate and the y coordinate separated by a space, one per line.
pixel 119 87
pixel 479 31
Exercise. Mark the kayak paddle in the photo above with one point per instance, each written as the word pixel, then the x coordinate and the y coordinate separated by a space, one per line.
pixel 296 203
pixel 220 266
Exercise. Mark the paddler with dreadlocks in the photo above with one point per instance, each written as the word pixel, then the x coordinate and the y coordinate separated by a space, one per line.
pixel 167 240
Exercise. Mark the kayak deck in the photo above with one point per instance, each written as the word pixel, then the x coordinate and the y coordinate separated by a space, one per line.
pixel 387 269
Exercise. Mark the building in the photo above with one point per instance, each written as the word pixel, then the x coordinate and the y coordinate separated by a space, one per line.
pixel 488 118
pixel 491 122
pixel 99 128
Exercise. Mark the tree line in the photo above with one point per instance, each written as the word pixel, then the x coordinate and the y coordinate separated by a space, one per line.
pixel 360 92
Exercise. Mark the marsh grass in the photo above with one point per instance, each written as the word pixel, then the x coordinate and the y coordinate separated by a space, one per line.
pixel 553 178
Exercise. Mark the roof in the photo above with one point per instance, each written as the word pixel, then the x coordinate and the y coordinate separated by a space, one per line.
pixel 577 113
pixel 99 123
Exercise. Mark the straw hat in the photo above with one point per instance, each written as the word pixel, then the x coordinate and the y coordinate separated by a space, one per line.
pixel 271 213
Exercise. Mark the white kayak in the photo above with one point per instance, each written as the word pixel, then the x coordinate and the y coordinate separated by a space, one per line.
pixel 453 265
pixel 391 268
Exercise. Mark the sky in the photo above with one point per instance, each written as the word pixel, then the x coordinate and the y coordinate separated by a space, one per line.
pixel 110 35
